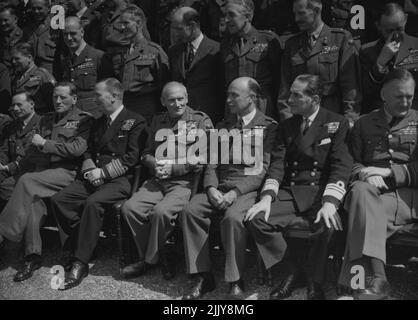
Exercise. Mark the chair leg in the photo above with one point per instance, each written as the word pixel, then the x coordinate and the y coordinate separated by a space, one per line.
pixel 122 257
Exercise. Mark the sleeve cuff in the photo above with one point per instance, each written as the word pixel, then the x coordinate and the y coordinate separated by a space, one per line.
pixel 48 146
pixel 335 190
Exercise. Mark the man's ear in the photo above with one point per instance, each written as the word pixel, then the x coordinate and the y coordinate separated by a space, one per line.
pixel 316 99
pixel 382 95
pixel 74 99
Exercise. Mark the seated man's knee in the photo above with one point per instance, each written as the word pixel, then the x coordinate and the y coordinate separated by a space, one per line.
pixel 233 218
pixel 160 212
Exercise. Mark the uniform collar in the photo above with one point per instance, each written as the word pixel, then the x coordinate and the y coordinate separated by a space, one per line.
pixel 82 12
pixel 27 120
pixel 317 32
pixel 196 42
pixel 312 117
pixel 115 113
pixel 80 49
pixel 248 117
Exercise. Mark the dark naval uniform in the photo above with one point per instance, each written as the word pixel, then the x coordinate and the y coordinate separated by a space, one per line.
pixel 40 84
pixel 55 166
pixel 309 169
pixel 115 149
pixel 84 70
pixel 16 140
pixel 152 211
pixel 407 58
pixel 226 176
pixel 334 59
pixel 257 55
pixel 375 215
pixel 144 71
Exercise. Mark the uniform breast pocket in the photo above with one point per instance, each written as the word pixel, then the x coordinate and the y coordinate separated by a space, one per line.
pixel 373 147
pixel 66 134
pixel 86 78
pixel 297 64
pixel 32 86
pixel 328 64
pixel 49 47
pixel 143 71
pixel 408 143
pixel 322 148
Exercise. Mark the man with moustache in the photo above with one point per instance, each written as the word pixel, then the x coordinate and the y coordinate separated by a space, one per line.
pixel 54 157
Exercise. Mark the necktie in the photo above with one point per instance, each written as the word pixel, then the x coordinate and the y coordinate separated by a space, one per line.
pixel 311 41
pixel 241 45
pixel 189 56
pixel 305 126
pixel 108 122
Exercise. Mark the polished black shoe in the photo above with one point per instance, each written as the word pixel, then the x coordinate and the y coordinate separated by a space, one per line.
pixel 286 287
pixel 67 260
pixel 32 262
pixel 204 284
pixel 79 271
pixel 134 270
pixel 379 289
pixel 236 290
pixel 314 291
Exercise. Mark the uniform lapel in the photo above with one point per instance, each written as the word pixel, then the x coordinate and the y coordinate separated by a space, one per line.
pixel 311 135
pixel 323 37
pixel 114 127
pixel 180 59
pixel 251 42
pixel 32 123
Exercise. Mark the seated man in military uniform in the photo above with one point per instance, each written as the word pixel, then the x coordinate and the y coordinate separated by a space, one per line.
pixel 16 139
pixel 152 211
pixel 28 77
pixel 105 178
pixel 382 199
pixel 54 157
pixel 309 170
pixel 230 190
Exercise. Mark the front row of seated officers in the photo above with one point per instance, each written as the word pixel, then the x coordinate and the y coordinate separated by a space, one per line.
pixel 314 171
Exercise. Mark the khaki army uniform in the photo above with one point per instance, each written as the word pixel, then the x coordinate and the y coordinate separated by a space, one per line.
pixel 152 211
pixel 334 59
pixel 7 42
pixel 40 84
pixel 45 42
pixel 143 73
pixel 373 214
pixel 258 58
pixel 16 140
pixel 55 166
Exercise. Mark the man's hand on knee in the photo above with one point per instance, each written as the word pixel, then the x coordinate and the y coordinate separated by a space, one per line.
pixel 263 206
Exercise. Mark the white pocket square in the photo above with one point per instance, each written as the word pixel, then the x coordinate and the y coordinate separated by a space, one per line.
pixel 324 142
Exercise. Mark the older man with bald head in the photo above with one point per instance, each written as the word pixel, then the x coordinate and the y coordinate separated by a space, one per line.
pixel 195 62
pixel 151 212
pixel 82 64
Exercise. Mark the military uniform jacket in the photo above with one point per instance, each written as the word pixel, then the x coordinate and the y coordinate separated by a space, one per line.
pixel 182 172
pixel 84 70
pixel 40 83
pixel 45 41
pixel 260 59
pixel 66 141
pixel 115 149
pixel 144 70
pixel 334 59
pixel 407 58
pixel 311 168
pixel 226 177
pixel 17 141
pixel 7 42
pixel 374 143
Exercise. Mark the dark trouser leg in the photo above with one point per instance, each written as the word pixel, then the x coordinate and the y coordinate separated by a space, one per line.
pixel 234 236
pixel 195 223
pixel 92 216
